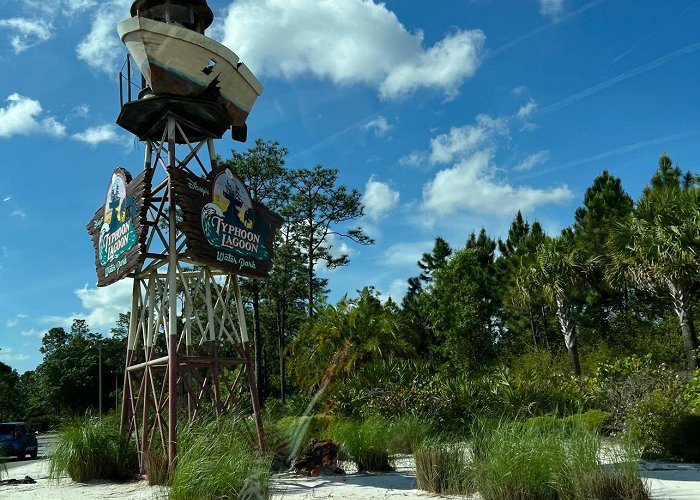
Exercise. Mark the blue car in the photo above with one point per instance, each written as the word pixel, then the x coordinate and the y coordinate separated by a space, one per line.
pixel 16 440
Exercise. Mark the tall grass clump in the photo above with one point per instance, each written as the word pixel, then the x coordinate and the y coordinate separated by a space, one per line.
pixel 364 442
pixel 444 468
pixel 92 448
pixel 219 460
pixel 300 430
pixel 518 460
pixel 408 433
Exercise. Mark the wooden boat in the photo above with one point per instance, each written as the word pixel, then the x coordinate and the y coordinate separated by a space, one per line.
pixel 180 62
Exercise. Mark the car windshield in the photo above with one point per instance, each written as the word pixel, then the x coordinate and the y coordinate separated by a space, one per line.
pixel 6 431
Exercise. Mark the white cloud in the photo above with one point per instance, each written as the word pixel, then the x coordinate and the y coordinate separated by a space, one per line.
pixel 380 125
pixel 33 333
pixel 11 323
pixel 520 90
pixel 23 116
pixel 414 159
pixel 101 49
pixel 397 289
pixel 527 109
pixel 102 306
pixel 552 8
pixel 406 254
pixel 470 185
pixel 8 354
pixel 19 213
pixel 532 161
pixel 96 135
pixel 349 42
pixel 27 32
pixel 378 199
pixel 464 140
pixel 7 198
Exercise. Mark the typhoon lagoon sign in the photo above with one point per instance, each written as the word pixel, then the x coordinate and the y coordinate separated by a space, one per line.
pixel 117 229
pixel 224 227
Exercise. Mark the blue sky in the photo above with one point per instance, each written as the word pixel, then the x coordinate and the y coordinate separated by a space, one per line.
pixel 448 115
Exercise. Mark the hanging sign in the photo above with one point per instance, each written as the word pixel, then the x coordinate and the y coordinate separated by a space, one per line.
pixel 223 226
pixel 118 228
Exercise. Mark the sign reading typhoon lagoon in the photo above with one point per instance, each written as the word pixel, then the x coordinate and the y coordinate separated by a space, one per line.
pixel 117 228
pixel 224 228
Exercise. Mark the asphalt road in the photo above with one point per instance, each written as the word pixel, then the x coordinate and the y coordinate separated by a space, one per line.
pixel 45 442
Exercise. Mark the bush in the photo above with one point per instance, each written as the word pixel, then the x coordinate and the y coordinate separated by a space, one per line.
pixel 364 442
pixel 657 422
pixel 92 448
pixel 218 460
pixel 685 440
pixel 443 469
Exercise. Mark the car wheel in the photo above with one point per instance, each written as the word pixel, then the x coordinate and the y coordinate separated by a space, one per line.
pixel 34 452
pixel 22 454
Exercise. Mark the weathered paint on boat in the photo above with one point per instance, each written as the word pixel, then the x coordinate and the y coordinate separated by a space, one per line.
pixel 181 62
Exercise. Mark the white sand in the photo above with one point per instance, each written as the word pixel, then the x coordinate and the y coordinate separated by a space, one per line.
pixel 666 481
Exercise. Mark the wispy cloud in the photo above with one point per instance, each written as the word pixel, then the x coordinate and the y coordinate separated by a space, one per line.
pixel 532 161
pixel 19 213
pixel 613 152
pixel 542 29
pixel 27 33
pixel 552 8
pixel 688 49
pixel 7 198
pixel 379 125
pixel 102 133
pixel 8 354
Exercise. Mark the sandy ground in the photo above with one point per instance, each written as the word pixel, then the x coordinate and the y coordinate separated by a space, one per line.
pixel 666 481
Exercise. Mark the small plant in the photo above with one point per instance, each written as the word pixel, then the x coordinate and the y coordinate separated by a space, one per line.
pixel 156 465
pixel 364 442
pixel 218 460
pixel 443 469
pixel 92 448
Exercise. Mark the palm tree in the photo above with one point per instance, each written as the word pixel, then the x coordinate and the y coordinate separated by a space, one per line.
pixel 559 267
pixel 341 339
pixel 656 247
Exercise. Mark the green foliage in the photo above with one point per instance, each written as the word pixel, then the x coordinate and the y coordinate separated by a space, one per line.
pixel 659 421
pixel 217 460
pixel 300 430
pixel 444 469
pixel 523 461
pixel 456 312
pixel 341 339
pixel 92 448
pixel 592 419
pixel 407 433
pixel 364 442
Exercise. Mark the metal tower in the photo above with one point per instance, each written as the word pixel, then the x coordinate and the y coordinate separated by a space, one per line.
pixel 184 228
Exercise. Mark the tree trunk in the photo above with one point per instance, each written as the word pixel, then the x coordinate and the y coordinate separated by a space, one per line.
pixel 569 331
pixel 682 304
pixel 282 328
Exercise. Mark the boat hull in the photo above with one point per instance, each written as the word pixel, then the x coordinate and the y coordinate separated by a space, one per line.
pixel 176 61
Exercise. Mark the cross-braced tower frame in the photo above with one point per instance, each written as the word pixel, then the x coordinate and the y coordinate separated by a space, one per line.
pixel 187 348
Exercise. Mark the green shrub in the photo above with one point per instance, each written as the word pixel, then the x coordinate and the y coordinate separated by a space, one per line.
pixel 685 441
pixel 443 469
pixel 664 425
pixel 364 442
pixel 218 460
pixel 92 448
